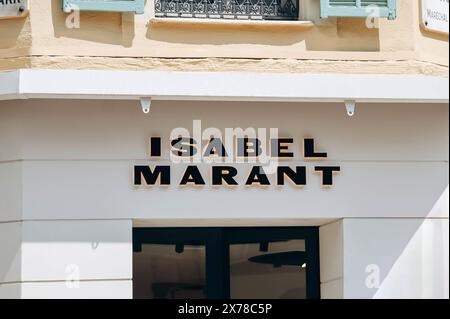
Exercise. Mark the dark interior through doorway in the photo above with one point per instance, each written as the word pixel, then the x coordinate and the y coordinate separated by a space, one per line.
pixel 226 262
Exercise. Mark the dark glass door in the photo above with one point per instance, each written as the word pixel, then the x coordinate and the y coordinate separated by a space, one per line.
pixel 226 262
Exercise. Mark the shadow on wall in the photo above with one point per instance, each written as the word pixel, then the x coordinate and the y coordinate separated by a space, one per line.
pixel 348 34
pixel 342 34
pixel 421 269
pixel 10 248
pixel 102 27
pixel 18 33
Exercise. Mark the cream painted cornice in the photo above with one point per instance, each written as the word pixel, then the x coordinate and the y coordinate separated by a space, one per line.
pixel 411 67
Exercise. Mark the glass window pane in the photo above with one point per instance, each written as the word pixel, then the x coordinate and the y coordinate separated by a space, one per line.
pixel 276 270
pixel 160 272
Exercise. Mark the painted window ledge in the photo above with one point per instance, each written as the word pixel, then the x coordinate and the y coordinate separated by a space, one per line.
pixel 230 23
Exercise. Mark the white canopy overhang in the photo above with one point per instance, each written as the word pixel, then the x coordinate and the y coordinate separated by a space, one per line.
pixel 222 86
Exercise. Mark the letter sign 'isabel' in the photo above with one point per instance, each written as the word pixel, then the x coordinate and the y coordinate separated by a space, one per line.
pixel 229 175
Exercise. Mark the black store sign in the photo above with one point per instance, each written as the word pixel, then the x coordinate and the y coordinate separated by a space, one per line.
pixel 226 175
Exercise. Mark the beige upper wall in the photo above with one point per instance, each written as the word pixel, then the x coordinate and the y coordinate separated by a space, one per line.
pixel 30 42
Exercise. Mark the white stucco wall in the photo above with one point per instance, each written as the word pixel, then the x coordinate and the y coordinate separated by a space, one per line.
pixel 385 258
pixel 66 185
pixel 75 159
pixel 66 259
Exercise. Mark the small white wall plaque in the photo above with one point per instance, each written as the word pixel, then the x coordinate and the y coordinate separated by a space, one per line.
pixel 435 15
pixel 13 8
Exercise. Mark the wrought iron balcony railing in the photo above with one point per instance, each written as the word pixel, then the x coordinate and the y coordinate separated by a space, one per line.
pixel 228 9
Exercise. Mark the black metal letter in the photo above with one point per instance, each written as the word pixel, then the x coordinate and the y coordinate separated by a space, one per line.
pixel 327 173
pixel 150 177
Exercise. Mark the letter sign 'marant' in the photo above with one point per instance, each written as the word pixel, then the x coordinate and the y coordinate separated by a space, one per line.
pixel 229 175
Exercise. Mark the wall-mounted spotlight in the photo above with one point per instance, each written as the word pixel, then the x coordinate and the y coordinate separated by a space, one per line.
pixel 263 246
pixel 146 104
pixel 350 107
pixel 179 248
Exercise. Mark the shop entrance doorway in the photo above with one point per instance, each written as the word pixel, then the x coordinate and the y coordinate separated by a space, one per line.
pixel 226 262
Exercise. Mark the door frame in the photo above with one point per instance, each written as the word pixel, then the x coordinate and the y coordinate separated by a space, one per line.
pixel 217 241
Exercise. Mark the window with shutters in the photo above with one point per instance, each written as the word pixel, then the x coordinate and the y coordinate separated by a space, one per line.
pixel 136 6
pixel 358 8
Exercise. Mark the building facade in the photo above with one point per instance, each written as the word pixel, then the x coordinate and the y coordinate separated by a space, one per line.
pixel 243 149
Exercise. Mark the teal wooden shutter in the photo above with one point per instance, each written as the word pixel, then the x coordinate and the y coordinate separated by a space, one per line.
pixel 358 8
pixel 136 6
